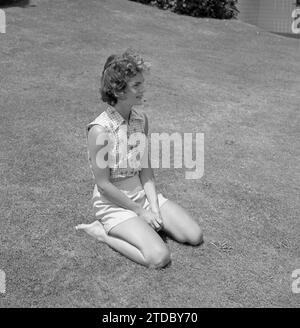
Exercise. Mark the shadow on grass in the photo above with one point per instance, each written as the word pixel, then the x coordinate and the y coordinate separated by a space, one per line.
pixel 288 35
pixel 163 235
pixel 15 3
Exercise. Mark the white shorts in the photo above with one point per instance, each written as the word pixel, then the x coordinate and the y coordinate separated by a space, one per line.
pixel 110 214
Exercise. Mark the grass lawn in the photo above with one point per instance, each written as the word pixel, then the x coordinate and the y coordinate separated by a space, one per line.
pixel 235 83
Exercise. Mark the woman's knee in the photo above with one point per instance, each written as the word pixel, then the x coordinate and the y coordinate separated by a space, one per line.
pixel 158 257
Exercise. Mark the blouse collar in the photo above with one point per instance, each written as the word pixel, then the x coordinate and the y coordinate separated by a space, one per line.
pixel 117 119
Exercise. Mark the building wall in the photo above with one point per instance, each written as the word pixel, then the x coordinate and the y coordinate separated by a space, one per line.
pixel 272 15
pixel 248 11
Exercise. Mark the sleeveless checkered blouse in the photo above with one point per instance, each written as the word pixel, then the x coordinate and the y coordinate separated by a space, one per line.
pixel 120 131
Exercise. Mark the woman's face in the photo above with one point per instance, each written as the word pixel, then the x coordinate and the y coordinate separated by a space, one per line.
pixel 135 90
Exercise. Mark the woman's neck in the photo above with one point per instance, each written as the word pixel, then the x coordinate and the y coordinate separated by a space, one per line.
pixel 124 110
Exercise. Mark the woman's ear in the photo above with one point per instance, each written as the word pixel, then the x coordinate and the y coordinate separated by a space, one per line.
pixel 121 95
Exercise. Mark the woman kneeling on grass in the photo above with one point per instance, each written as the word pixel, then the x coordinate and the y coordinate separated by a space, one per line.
pixel 129 211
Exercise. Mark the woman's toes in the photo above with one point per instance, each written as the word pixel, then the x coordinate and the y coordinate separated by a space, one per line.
pixel 94 229
pixel 80 226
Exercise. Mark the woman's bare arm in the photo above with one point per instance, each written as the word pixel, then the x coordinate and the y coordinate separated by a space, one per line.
pixel 96 134
pixel 148 180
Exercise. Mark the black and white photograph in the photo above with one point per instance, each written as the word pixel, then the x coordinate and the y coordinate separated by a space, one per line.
pixel 149 156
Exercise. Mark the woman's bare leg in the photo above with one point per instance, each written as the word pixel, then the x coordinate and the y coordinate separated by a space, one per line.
pixel 97 231
pixel 179 224
pixel 133 238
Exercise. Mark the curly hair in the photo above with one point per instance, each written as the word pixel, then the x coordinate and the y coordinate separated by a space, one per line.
pixel 116 73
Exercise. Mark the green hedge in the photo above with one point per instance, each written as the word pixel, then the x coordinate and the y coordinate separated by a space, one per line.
pixel 223 9
pixel 8 3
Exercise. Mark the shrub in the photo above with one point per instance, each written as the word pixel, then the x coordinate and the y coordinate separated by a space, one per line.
pixel 14 3
pixel 222 9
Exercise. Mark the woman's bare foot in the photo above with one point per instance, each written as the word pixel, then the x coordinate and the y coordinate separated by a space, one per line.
pixel 94 229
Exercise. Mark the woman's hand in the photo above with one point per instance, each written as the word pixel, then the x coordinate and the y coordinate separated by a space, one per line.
pixel 159 217
pixel 153 219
